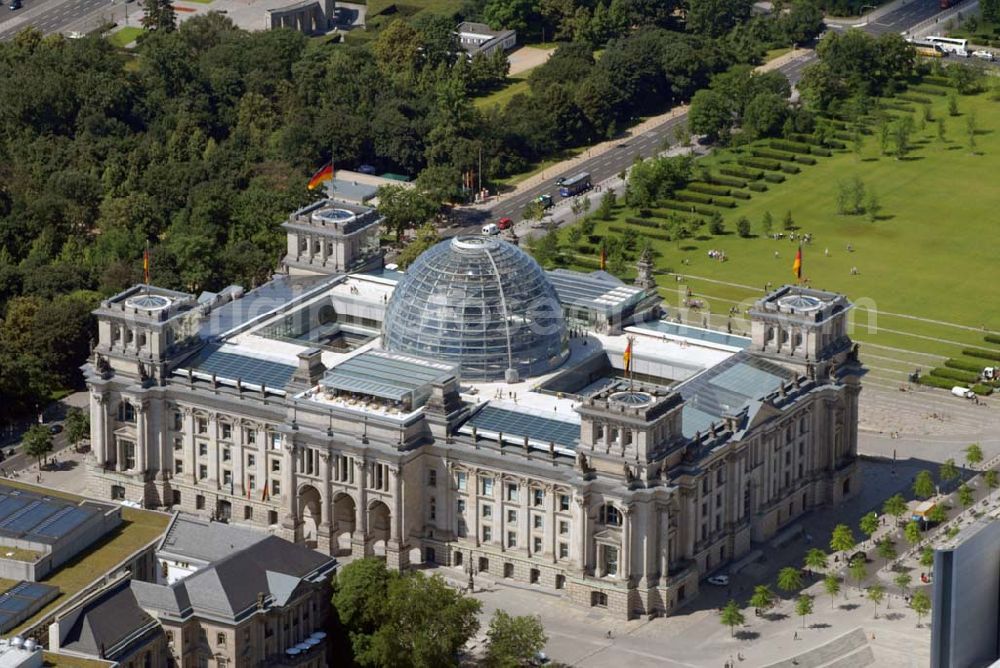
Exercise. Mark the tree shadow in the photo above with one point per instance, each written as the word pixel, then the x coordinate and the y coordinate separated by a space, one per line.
pixel 702 237
pixel 869 159
pixel 849 606
pixel 819 625
pixel 885 216
pixel 774 616
pixel 746 635
pixel 689 248
pixel 893 616
pixel 954 147
pixel 910 158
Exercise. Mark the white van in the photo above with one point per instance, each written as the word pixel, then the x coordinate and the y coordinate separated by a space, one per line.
pixel 963 392
pixel 490 229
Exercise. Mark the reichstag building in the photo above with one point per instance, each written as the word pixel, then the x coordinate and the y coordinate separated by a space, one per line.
pixel 477 412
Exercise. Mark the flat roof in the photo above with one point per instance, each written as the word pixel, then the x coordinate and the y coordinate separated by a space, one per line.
pixel 597 291
pixel 516 422
pixel 696 333
pixel 386 375
pixel 39 518
pixel 231 363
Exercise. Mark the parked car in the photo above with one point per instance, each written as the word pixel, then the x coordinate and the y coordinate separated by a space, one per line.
pixel 367 169
pixel 505 223
pixel 984 54
pixel 15 5
pixel 491 229
pixel 719 580
pixel 545 201
pixel 55 428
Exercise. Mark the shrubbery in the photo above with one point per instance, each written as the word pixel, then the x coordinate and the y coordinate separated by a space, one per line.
pixel 790 169
pixel 743 172
pixel 965 365
pixel 986 354
pixel 955 374
pixel 725 181
pixel 708 188
pixel 805 159
pixel 791 146
pixel 774 178
pixel 757 187
pixel 761 163
pixel 936 381
pixel 688 196
pixel 771 154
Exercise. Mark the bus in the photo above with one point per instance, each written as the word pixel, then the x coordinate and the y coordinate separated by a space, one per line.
pixel 575 185
pixel 927 49
pixel 960 47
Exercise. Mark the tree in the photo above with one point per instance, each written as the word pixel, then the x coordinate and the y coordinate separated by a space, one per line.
pixel 743 227
pixel 884 133
pixel 858 144
pixel 973 455
pixel 788 223
pixel 732 616
pixel 858 570
pixel 714 18
pixel 764 115
pixel 901 132
pixel 159 15
pixel 77 426
pixel 831 585
pixel 789 579
pixel 965 495
pixel 842 538
pixel 762 598
pixel 869 523
pixel 912 532
pixel 990 477
pixel 395 619
pixel 875 594
pixel 404 208
pixel 953 104
pixel 937 514
pixel 873 207
pixel 920 603
pixel 767 223
pixel 804 607
pixel 605 208
pixel 971 128
pixel 923 485
pixel 815 560
pixel 941 131
pixel 37 442
pixel 895 505
pixel 903 580
pixel 711 115
pixel 887 550
pixel 715 223
pixel 427 236
pixel 990 10
pixel 514 641
pixel 517 15
pixel 948 471
pixel 927 557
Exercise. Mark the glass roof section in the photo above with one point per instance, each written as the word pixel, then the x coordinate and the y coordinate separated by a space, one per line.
pixel 481 304
pixel 697 333
pixel 245 368
pixel 515 425
pixel 386 375
pixel 597 291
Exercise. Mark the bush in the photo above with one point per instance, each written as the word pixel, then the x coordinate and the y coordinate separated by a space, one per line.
pixel 934 80
pixel 955 374
pixel 932 90
pixel 983 389
pixel 992 338
pixel 724 202
pixel 774 178
pixel 739 194
pixel 708 188
pixel 801 138
pixel 743 173
pixel 687 207
pixel 621 229
pixel 791 146
pixel 688 196
pixel 730 181
pixel 595 239
pixel 790 169
pixel 825 152
pixel 987 354
pixel 895 106
pixel 772 154
pixel 642 222
pixel 846 136
pixel 805 159
pixel 759 187
pixel 913 97
pixel 761 163
pixel 936 381
pixel 965 365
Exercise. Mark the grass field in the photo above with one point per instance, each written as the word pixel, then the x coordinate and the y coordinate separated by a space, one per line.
pixel 125 36
pixel 931 254
pixel 517 83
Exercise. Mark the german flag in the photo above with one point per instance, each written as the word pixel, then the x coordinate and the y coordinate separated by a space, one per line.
pixel 325 173
pixel 627 356
pixel 797 264
pixel 604 259
pixel 264 495
pixel 145 266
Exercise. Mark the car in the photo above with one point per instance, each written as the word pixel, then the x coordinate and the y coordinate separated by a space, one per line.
pixel 545 200
pixel 719 580
pixel 505 223
pixel 55 428
pixel 984 54
pixel 15 5
pixel 560 180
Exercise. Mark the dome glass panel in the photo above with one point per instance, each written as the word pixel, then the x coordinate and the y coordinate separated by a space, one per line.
pixel 479 303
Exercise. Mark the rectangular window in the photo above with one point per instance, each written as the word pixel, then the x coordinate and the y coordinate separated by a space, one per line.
pixel 178 444
pixel 536 521
pixel 487 510
pixel 536 544
pixel 511 517
pixel 718 477
pixel 203 449
pixel 461 506
pixel 220 639
pixel 609 560
pixel 538 497
pixel 563 550
pixel 564 502
pixel 272 517
pixel 252 481
pixel 178 466
pixel 202 425
pixel 276 487
pixel 199 502
pixel 250 435
pixel 275 441
pixel 275 466
pixel 487 534
pixel 432 478
pixel 718 522
pixel 226 454
pixel 432 509
pixel 227 477
pixel 486 486
pixel 251 461
pixel 248 513
pixel 563 527
pixel 512 491
pixel 202 471
pixel 511 539
pixel 461 480
pixel 227 431
pixel 178 421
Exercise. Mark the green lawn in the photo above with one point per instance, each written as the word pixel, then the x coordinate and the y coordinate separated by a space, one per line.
pixel 931 254
pixel 125 36
pixel 500 97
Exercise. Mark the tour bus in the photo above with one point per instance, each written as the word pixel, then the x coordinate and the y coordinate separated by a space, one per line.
pixel 927 49
pixel 575 185
pixel 960 47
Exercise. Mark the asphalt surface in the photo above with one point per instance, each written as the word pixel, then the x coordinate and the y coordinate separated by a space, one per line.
pixel 612 162
pixel 49 16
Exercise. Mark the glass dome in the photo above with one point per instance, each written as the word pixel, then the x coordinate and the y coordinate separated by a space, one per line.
pixel 482 304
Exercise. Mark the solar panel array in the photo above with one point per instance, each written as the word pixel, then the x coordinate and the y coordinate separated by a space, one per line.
pixel 23 600
pixel 39 518
pixel 252 370
pixel 516 424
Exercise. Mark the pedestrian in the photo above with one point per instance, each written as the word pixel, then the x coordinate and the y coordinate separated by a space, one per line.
pixel 796 636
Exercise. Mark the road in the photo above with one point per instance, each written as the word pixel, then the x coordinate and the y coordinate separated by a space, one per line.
pixel 612 162
pixel 49 16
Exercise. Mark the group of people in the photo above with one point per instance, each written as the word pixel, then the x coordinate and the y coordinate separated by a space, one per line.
pixel 717 255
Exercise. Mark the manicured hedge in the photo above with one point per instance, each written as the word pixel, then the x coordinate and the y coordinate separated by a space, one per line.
pixel 982 389
pixel 758 187
pixel 826 152
pixel 688 196
pixel 761 163
pixel 934 80
pixel 790 169
pixel 931 90
pixel 620 229
pixel 687 207
pixel 913 97
pixel 936 381
pixel 791 146
pixel 774 178
pixel 965 365
pixel 643 222
pixel 724 202
pixel 846 136
pixel 708 188
pixel 739 194
pixel 955 374
pixel 730 181
pixel 987 354
pixel 895 106
pixel 772 154
pixel 805 159
pixel 743 172
pixel 992 338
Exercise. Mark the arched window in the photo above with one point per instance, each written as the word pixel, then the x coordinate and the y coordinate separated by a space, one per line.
pixel 610 516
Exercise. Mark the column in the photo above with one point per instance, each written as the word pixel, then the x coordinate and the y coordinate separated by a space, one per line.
pixel 237 455
pixel 524 493
pixel 214 451
pixel 288 479
pixel 325 495
pixel 650 540
pixel 551 529
pixel 472 506
pixel 361 524
pixel 141 436
pixel 396 521
pixel 626 555
pixel 690 525
pixel 98 426
pixel 663 528
pixel 190 450
pixel 584 530
pixel 119 455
